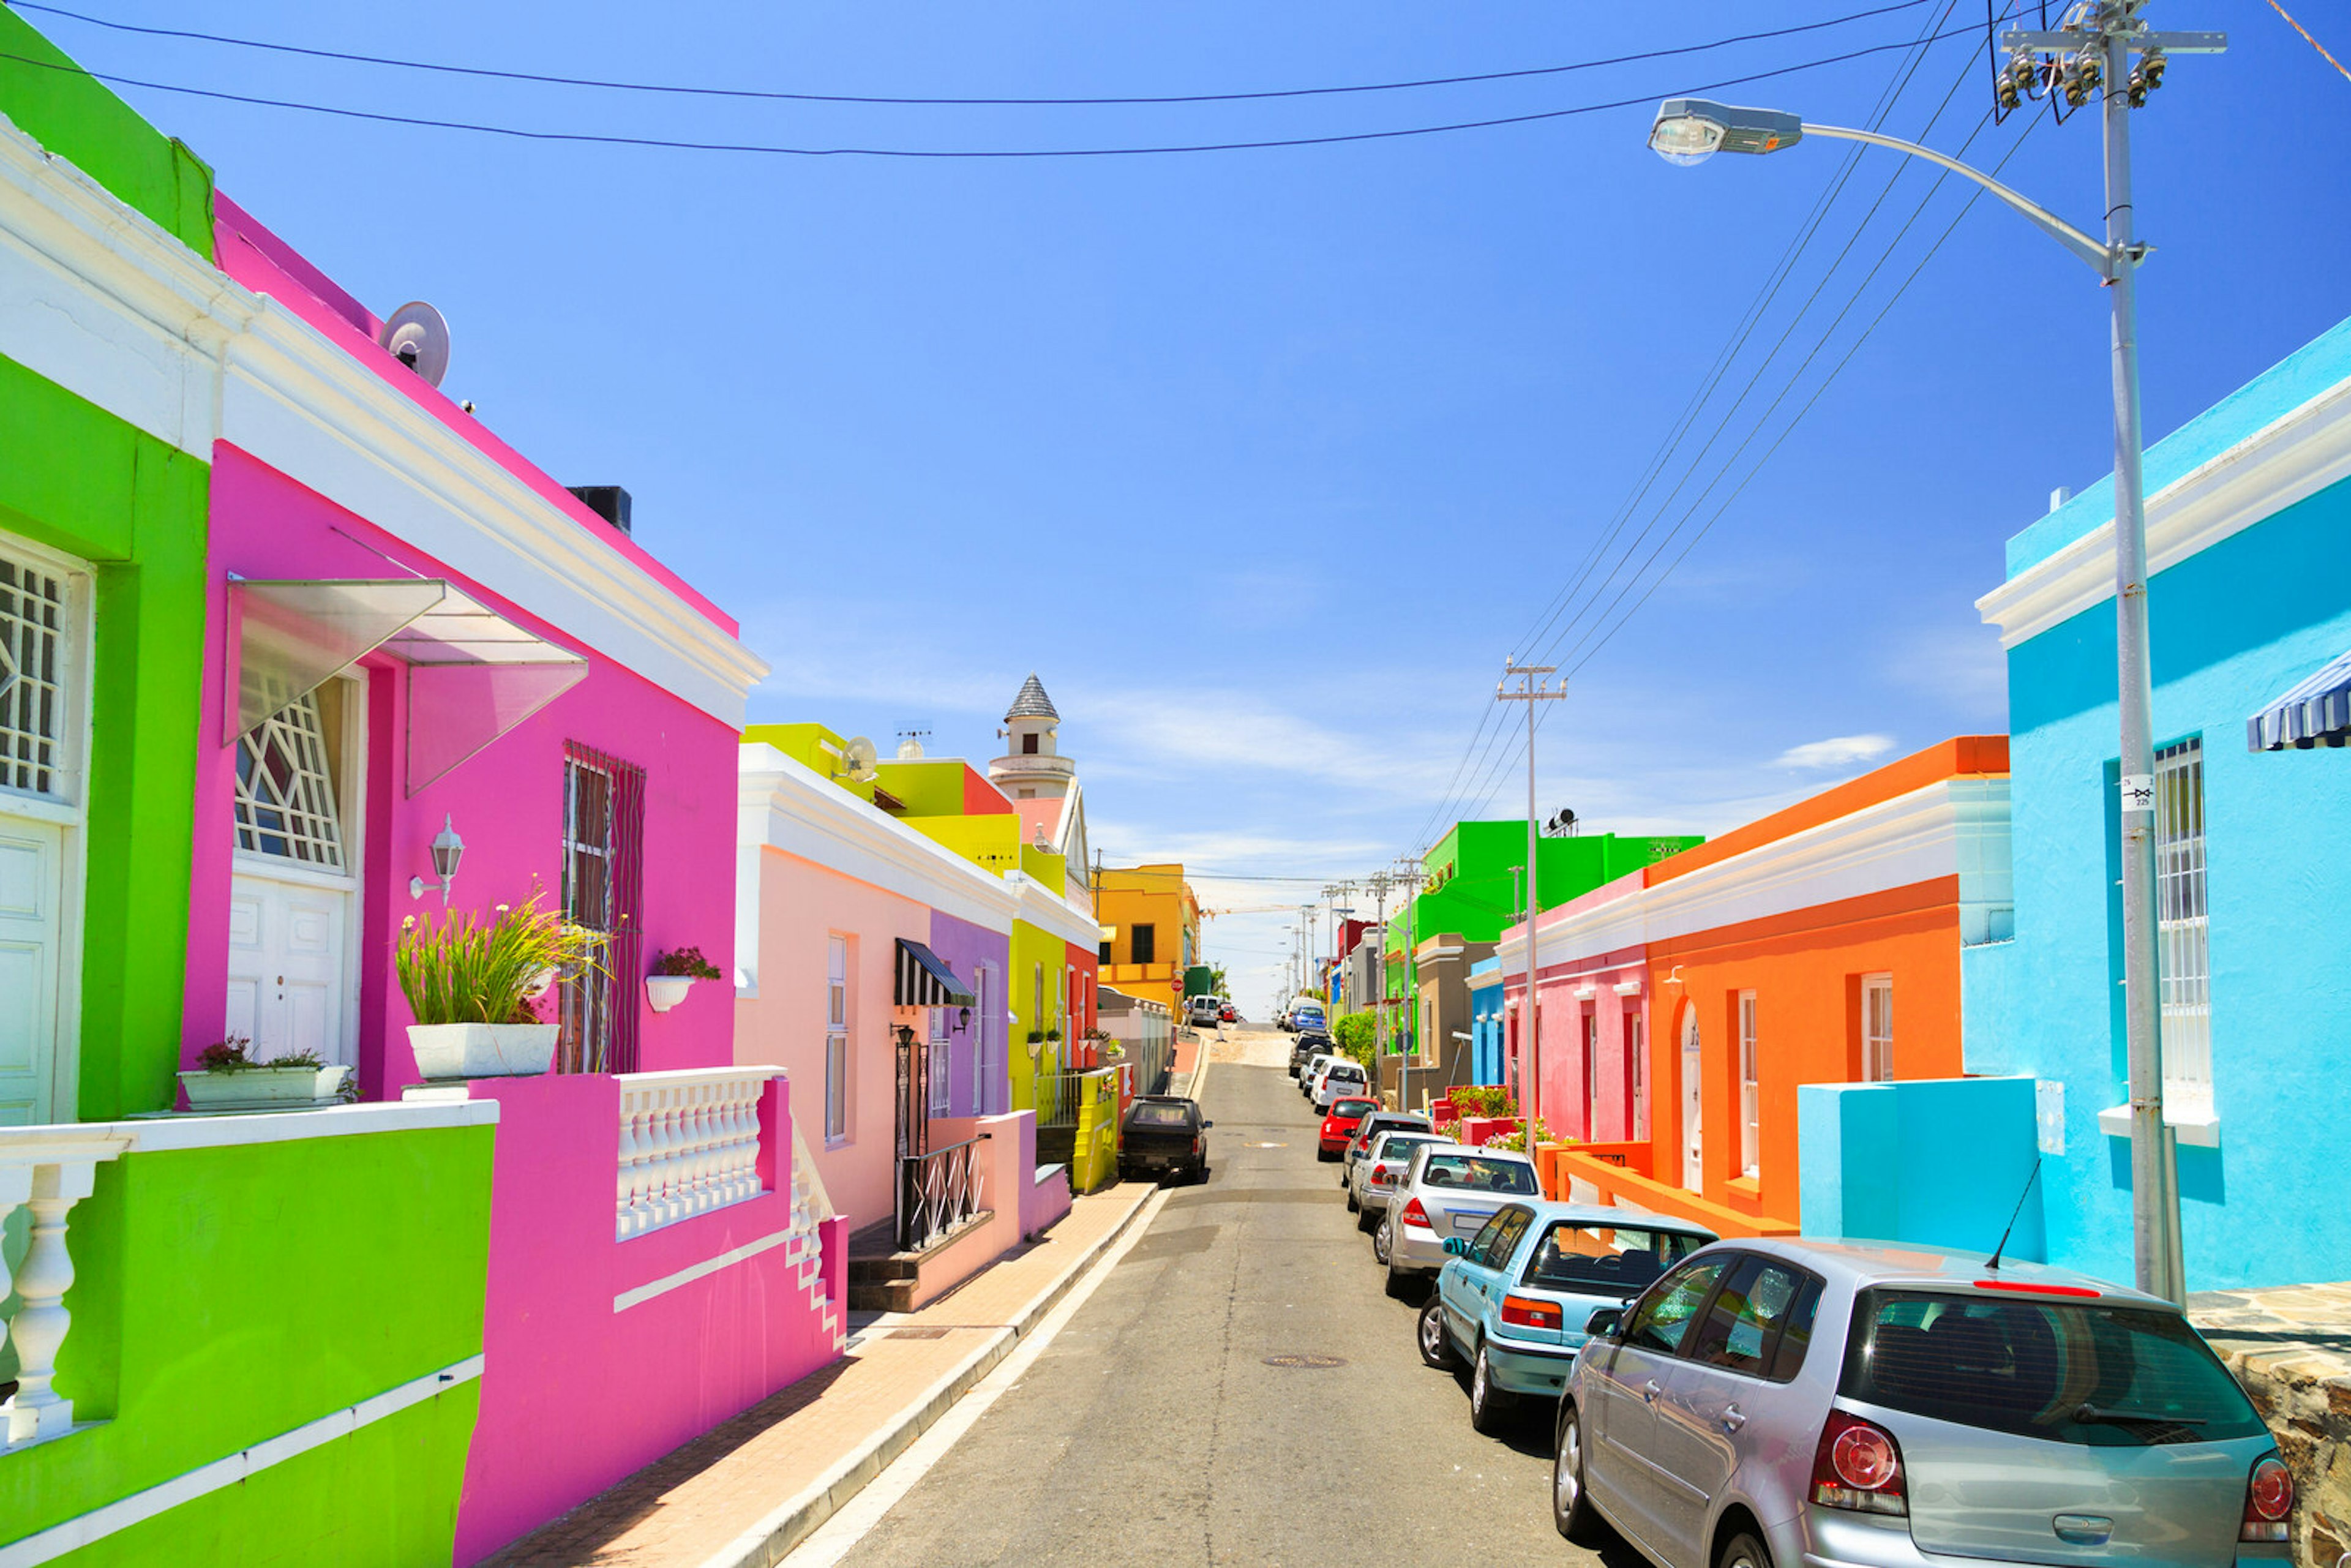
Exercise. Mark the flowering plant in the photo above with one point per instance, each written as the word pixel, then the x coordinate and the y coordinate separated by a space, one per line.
pixel 230 1056
pixel 462 970
pixel 688 963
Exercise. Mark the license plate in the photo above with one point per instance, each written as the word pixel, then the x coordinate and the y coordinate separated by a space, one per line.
pixel 1470 1224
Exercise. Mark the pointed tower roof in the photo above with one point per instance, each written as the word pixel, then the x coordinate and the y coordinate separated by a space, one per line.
pixel 1032 702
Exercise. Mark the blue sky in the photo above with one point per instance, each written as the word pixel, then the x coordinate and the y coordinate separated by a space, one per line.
pixel 1265 460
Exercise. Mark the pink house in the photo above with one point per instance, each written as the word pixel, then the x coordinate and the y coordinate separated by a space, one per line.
pixel 435 677
pixel 1589 1082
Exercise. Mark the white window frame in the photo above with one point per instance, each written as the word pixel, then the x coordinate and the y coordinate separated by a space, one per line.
pixel 63 802
pixel 1636 1025
pixel 837 1020
pixel 983 1027
pixel 938 1067
pixel 1878 1028
pixel 1750 1091
pixel 2183 928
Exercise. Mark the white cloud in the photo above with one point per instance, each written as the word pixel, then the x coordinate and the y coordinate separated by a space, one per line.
pixel 1837 751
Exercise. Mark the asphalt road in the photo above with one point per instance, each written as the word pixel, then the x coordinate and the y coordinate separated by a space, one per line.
pixel 1153 1430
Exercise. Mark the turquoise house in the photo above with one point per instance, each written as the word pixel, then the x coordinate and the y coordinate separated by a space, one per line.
pixel 2249 527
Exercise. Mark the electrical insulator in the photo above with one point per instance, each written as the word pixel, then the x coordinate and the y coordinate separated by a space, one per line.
pixel 2152 68
pixel 2006 95
pixel 2135 90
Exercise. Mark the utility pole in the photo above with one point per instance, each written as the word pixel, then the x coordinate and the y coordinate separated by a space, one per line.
pixel 1531 692
pixel 1376 983
pixel 1411 876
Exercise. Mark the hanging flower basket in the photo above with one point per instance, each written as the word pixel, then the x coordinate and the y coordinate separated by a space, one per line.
pixel 470 986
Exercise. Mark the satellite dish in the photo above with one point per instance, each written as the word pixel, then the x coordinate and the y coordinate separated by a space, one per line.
pixel 418 338
pixel 858 756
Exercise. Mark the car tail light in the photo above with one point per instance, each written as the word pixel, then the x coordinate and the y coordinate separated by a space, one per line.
pixel 1383 1176
pixel 1415 1215
pixel 1528 1313
pixel 2269 1500
pixel 1200 1142
pixel 1858 1466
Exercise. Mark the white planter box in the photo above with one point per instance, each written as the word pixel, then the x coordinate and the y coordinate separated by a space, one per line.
pixel 264 1088
pixel 665 991
pixel 482 1050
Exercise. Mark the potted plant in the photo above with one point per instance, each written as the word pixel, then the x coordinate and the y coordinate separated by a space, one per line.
pixel 471 985
pixel 227 1078
pixel 674 974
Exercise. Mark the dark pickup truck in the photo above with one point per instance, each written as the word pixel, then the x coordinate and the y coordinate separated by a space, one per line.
pixel 1164 1136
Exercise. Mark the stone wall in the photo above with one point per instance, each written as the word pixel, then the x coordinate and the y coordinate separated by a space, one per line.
pixel 2291 1348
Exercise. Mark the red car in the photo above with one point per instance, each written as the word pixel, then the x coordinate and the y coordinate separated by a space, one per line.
pixel 1229 1016
pixel 1339 1124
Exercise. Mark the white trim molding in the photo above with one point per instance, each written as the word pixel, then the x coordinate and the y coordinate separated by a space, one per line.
pixel 98 299
pixel 641 1294
pixel 2293 457
pixel 1952 827
pixel 47 1545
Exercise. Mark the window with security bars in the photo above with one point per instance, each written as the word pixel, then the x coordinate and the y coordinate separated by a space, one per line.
pixel 33 698
pixel 937 1075
pixel 2183 952
pixel 285 805
pixel 603 880
pixel 1750 1091
pixel 836 1039
pixel 1636 1067
pixel 1877 1028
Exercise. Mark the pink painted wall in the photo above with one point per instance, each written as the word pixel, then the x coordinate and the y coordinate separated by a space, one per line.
pixel 1008 1164
pixel 802 904
pixel 506 801
pixel 1566 1100
pixel 576 1395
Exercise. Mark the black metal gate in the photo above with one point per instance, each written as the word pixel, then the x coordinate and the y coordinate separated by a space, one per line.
pixel 914 1139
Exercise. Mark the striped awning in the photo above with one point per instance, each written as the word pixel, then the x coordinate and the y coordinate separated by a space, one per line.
pixel 2315 713
pixel 925 981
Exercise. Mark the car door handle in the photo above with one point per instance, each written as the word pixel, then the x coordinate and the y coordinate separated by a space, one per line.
pixel 1650 1390
pixel 1732 1418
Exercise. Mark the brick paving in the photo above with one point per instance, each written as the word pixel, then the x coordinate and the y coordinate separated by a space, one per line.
pixel 805 1449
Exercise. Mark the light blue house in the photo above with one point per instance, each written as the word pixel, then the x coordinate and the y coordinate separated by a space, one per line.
pixel 2249 529
pixel 1485 1021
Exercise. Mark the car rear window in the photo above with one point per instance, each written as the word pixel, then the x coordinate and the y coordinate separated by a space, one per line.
pixel 2089 1373
pixel 1606 1259
pixel 1347 1108
pixel 1149 1115
pixel 1479 1173
pixel 1399 1147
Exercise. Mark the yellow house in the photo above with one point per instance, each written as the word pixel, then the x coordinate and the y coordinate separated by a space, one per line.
pixel 1150 931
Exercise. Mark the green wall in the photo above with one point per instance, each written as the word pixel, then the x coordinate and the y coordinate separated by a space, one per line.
pixel 82 481
pixel 1032 947
pixel 932 787
pixel 45 95
pixel 226 1295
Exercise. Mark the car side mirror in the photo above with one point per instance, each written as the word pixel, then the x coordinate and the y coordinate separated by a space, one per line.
pixel 1607 1323
pixel 1206 1125
pixel 1457 1247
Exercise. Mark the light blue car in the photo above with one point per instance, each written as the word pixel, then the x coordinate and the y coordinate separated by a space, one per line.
pixel 1513 1300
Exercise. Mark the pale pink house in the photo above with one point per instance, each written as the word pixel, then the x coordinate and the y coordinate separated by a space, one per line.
pixel 1590 1081
pixel 413 634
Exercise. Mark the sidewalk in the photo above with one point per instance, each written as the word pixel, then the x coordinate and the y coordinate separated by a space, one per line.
pixel 748 1491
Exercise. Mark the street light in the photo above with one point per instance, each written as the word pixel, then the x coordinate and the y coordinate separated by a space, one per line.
pixel 2099 47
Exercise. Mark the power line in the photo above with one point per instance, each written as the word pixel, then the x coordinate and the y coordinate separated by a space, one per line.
pixel 766 149
pixel 692 91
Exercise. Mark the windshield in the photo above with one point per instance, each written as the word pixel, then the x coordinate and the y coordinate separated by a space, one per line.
pixel 2063 1371
pixel 1146 1115
pixel 1614 1259
pixel 1479 1173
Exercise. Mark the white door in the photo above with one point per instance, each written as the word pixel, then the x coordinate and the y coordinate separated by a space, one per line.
pixel 1693 1090
pixel 32 896
pixel 287 959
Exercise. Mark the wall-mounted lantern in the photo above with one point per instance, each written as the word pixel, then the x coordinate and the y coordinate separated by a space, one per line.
pixel 448 850
pixel 962 1019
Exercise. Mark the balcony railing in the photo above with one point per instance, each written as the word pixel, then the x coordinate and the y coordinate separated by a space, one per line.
pixel 937 1192
pixel 47 1170
pixel 1061 1095
pixel 689 1144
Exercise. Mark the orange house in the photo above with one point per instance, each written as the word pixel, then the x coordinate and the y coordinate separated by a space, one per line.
pixel 1818 945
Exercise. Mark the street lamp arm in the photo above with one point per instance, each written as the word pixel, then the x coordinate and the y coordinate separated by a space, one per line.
pixel 2064 234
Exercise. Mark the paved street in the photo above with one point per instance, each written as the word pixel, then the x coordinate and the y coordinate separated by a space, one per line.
pixel 1151 1431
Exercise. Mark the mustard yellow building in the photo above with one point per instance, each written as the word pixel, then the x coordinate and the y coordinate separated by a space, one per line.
pixel 1150 931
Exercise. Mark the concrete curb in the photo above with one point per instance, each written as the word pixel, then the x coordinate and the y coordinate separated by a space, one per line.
pixel 766 1542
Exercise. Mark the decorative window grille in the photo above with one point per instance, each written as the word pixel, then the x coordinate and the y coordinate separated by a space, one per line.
pixel 33 698
pixel 836 1039
pixel 2183 937
pixel 938 1076
pixel 1750 1091
pixel 1637 1044
pixel 285 788
pixel 1877 1029
pixel 603 882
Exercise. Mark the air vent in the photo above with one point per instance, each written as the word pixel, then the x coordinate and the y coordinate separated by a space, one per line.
pixel 609 502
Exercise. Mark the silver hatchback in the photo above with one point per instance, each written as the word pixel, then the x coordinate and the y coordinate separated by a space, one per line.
pixel 1815 1404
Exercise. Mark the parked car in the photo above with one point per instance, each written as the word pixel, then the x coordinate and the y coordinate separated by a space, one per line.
pixel 1371 1127
pixel 1339 1125
pixel 1229 1015
pixel 1322 1061
pixel 1164 1136
pixel 1450 1189
pixel 1308 1020
pixel 1342 1077
pixel 1202 1011
pixel 1307 1047
pixel 1789 1402
pixel 1383 1166
pixel 1513 1299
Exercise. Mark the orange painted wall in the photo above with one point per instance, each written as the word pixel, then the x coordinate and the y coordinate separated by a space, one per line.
pixel 1805 969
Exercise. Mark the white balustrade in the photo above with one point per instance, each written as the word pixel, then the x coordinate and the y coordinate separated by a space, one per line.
pixel 47 1170
pixel 689 1142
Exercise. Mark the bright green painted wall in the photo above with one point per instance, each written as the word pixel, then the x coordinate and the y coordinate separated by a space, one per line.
pixel 226 1295
pixel 932 787
pixel 78 119
pixel 805 743
pixel 1031 948
pixel 991 841
pixel 82 481
pixel 1093 1156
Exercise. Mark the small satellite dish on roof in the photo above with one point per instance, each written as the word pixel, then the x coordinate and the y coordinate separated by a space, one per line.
pixel 418 338
pixel 858 756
